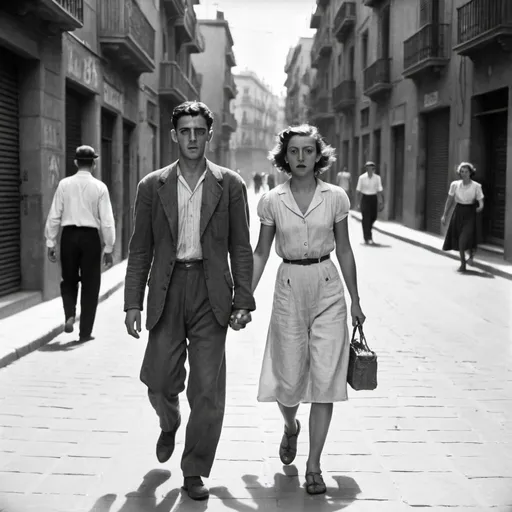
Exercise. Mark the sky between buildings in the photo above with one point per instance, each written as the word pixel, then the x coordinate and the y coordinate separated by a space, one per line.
pixel 263 32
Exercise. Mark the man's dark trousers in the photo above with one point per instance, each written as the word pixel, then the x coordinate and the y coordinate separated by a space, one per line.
pixel 80 256
pixel 187 314
pixel 369 208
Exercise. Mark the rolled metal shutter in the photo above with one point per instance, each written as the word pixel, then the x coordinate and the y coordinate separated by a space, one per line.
pixel 438 147
pixel 10 222
pixel 73 128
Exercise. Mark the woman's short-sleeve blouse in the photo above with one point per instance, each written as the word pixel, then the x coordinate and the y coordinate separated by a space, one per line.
pixel 301 236
pixel 466 195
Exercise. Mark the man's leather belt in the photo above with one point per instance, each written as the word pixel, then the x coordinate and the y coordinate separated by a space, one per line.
pixel 188 263
pixel 308 261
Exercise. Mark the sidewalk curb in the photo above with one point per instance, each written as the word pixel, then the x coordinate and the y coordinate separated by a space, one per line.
pixel 477 264
pixel 45 338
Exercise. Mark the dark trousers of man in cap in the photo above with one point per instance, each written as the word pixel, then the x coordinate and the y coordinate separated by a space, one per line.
pixel 81 207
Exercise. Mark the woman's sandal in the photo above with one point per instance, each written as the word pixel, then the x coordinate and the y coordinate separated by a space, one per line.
pixel 287 451
pixel 315 483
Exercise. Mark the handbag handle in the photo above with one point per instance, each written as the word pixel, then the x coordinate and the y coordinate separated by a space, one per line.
pixel 362 337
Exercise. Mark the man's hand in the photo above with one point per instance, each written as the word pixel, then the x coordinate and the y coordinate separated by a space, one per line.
pixel 239 319
pixel 381 206
pixel 108 260
pixel 52 254
pixel 133 323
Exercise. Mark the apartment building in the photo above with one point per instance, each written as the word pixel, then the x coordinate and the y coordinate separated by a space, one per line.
pixel 256 112
pixel 419 86
pixel 299 78
pixel 75 72
pixel 219 88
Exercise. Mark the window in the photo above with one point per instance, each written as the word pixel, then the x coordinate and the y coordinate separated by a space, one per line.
pixel 384 30
pixel 364 50
pixel 429 12
pixel 351 62
pixel 365 117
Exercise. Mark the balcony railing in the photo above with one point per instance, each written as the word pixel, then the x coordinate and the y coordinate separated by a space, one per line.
pixel 323 3
pixel 321 106
pixel 229 122
pixel 197 80
pixel 428 48
pixel 188 31
pixel 482 22
pixel 174 7
pixel 377 78
pixel 344 95
pixel 230 85
pixel 126 34
pixel 67 15
pixel 316 18
pixel 322 46
pixel 230 57
pixel 345 20
pixel 174 85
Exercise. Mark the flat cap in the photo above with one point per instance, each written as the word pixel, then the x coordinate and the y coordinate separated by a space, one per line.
pixel 370 163
pixel 85 153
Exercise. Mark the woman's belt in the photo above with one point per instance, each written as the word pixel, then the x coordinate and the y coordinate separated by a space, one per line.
pixel 307 261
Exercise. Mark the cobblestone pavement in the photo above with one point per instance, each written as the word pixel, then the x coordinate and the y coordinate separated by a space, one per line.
pixel 77 433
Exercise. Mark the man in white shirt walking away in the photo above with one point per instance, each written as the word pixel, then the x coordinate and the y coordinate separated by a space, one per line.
pixel 81 206
pixel 370 199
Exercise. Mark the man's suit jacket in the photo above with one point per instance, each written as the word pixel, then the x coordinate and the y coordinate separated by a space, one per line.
pixel 224 227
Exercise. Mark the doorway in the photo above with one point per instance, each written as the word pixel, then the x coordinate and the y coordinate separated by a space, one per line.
pixel 398 172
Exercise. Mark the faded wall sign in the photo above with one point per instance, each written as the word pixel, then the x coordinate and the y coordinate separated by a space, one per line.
pixel 53 170
pixel 81 65
pixel 113 97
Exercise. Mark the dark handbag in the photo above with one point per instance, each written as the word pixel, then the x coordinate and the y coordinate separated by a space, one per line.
pixel 362 364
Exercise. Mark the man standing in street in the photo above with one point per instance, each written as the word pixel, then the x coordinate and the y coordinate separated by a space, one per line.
pixel 81 206
pixel 370 199
pixel 188 217
pixel 343 181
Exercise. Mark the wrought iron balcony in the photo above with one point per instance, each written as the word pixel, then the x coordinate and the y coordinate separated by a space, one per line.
pixel 345 20
pixel 377 80
pixel 229 122
pixel 320 106
pixel 316 18
pixel 372 3
pixel 481 23
pixel 230 57
pixel 427 50
pixel 66 15
pixel 126 35
pixel 344 95
pixel 174 85
pixel 174 7
pixel 323 3
pixel 188 31
pixel 322 46
pixel 230 85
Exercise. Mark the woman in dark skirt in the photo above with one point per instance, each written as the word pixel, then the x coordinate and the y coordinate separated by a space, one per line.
pixel 469 200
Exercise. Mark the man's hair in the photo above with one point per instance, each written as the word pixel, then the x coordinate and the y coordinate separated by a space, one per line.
pixel 278 154
pixel 84 162
pixel 192 108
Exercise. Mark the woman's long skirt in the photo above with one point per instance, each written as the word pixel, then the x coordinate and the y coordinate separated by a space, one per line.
pixel 462 233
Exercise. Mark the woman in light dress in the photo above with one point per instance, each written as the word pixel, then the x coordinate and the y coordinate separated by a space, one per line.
pixel 469 200
pixel 307 349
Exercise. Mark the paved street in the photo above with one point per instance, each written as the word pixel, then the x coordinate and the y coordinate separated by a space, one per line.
pixel 78 434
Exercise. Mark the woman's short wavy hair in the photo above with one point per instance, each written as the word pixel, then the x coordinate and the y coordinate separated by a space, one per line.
pixel 278 154
pixel 470 166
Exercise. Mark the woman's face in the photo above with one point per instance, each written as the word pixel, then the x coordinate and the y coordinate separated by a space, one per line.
pixel 302 155
pixel 465 173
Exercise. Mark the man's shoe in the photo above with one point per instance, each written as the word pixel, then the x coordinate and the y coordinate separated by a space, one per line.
pixel 165 444
pixel 83 339
pixel 195 488
pixel 68 326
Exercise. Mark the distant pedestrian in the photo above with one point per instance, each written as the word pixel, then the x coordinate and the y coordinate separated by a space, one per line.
pixel 271 181
pixel 469 200
pixel 189 217
pixel 258 182
pixel 343 180
pixel 307 349
pixel 370 199
pixel 81 206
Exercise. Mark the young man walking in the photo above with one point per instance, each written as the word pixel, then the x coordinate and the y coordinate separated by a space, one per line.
pixel 81 207
pixel 188 217
pixel 370 199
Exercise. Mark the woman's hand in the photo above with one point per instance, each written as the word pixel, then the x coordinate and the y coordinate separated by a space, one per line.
pixel 443 219
pixel 357 314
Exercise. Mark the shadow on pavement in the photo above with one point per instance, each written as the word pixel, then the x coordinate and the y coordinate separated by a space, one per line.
pixel 289 490
pixel 144 498
pixel 477 273
pixel 58 346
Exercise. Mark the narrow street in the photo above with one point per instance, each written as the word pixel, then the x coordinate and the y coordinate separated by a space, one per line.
pixel 78 433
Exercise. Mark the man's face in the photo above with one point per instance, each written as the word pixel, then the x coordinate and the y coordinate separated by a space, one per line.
pixel 192 135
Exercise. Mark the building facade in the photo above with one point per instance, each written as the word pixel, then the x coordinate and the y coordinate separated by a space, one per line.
pixel 300 76
pixel 80 72
pixel 419 86
pixel 218 85
pixel 256 112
